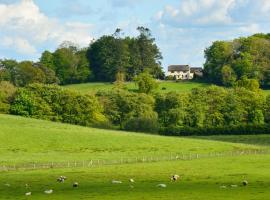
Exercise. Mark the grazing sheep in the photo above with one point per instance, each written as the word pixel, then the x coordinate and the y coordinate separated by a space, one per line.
pixel 7 184
pixel 75 184
pixel 162 185
pixel 131 180
pixel 48 191
pixel 245 183
pixel 223 187
pixel 116 182
pixel 28 193
pixel 175 177
pixel 61 179
pixel 234 186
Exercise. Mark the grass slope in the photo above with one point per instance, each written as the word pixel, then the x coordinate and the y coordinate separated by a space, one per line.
pixel 184 86
pixel 201 180
pixel 28 140
pixel 24 140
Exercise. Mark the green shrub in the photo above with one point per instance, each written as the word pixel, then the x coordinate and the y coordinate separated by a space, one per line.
pixel 7 92
pixel 57 104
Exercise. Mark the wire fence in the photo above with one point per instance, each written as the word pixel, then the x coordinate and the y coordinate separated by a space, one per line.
pixel 121 161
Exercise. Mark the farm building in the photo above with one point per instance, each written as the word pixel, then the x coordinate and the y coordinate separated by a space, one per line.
pixel 184 72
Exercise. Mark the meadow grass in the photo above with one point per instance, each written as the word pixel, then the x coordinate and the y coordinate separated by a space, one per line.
pixel 201 179
pixel 164 86
pixel 25 140
pixel 29 140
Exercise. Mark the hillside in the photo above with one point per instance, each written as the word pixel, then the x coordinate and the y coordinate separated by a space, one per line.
pixel 164 86
pixel 24 140
pixel 28 140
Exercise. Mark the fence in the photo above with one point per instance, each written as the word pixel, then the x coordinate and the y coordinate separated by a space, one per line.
pixel 144 159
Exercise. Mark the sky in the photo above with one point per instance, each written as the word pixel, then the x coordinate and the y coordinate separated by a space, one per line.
pixel 183 29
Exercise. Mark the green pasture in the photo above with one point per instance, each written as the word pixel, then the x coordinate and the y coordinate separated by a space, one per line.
pixel 164 86
pixel 24 140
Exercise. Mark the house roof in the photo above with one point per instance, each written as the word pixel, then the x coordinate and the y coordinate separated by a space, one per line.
pixel 197 69
pixel 178 68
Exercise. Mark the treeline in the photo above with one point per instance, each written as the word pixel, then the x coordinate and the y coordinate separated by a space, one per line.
pixel 101 61
pixel 227 62
pixel 213 110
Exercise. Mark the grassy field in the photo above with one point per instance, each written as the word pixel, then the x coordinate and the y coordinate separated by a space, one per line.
pixel 164 86
pixel 28 140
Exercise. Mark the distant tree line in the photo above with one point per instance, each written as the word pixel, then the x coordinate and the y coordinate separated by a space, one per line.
pixel 101 61
pixel 212 110
pixel 227 62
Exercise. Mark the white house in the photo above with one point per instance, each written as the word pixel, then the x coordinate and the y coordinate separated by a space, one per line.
pixel 183 72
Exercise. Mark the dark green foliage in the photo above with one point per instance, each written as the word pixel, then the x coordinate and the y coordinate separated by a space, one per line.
pixel 121 106
pixel 108 56
pixel 26 72
pixel 69 63
pixel 142 124
pixel 146 82
pixel 54 103
pixel 112 54
pixel 7 92
pixel 211 107
pixel 251 129
pixel 227 61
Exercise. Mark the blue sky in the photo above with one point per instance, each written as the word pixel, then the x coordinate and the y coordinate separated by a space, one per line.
pixel 182 28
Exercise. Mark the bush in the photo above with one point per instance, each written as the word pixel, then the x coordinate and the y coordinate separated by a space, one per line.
pixel 207 131
pixel 7 92
pixel 57 104
pixel 142 124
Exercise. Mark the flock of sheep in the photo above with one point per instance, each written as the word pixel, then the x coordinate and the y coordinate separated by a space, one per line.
pixel 62 179
pixel 173 178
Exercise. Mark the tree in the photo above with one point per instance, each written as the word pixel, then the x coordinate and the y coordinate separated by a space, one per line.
pixel 248 57
pixel 112 54
pixel 228 75
pixel 250 84
pixel 146 82
pixel 108 56
pixel 69 63
pixel 120 80
pixel 26 74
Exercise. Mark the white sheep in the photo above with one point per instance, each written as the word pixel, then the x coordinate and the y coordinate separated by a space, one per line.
pixel 162 185
pixel 48 191
pixel 131 180
pixel 175 177
pixel 116 182
pixel 28 193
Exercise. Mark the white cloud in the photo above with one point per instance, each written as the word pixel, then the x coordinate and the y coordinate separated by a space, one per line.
pixel 198 13
pixel 25 28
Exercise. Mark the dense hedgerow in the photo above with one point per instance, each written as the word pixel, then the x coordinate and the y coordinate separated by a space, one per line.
pixel 57 104
pixel 204 111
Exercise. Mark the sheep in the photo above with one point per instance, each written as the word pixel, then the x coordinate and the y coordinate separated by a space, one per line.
pixel 131 180
pixel 7 184
pixel 61 179
pixel 245 183
pixel 28 193
pixel 116 182
pixel 175 177
pixel 234 186
pixel 48 191
pixel 162 185
pixel 75 184
pixel 223 187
